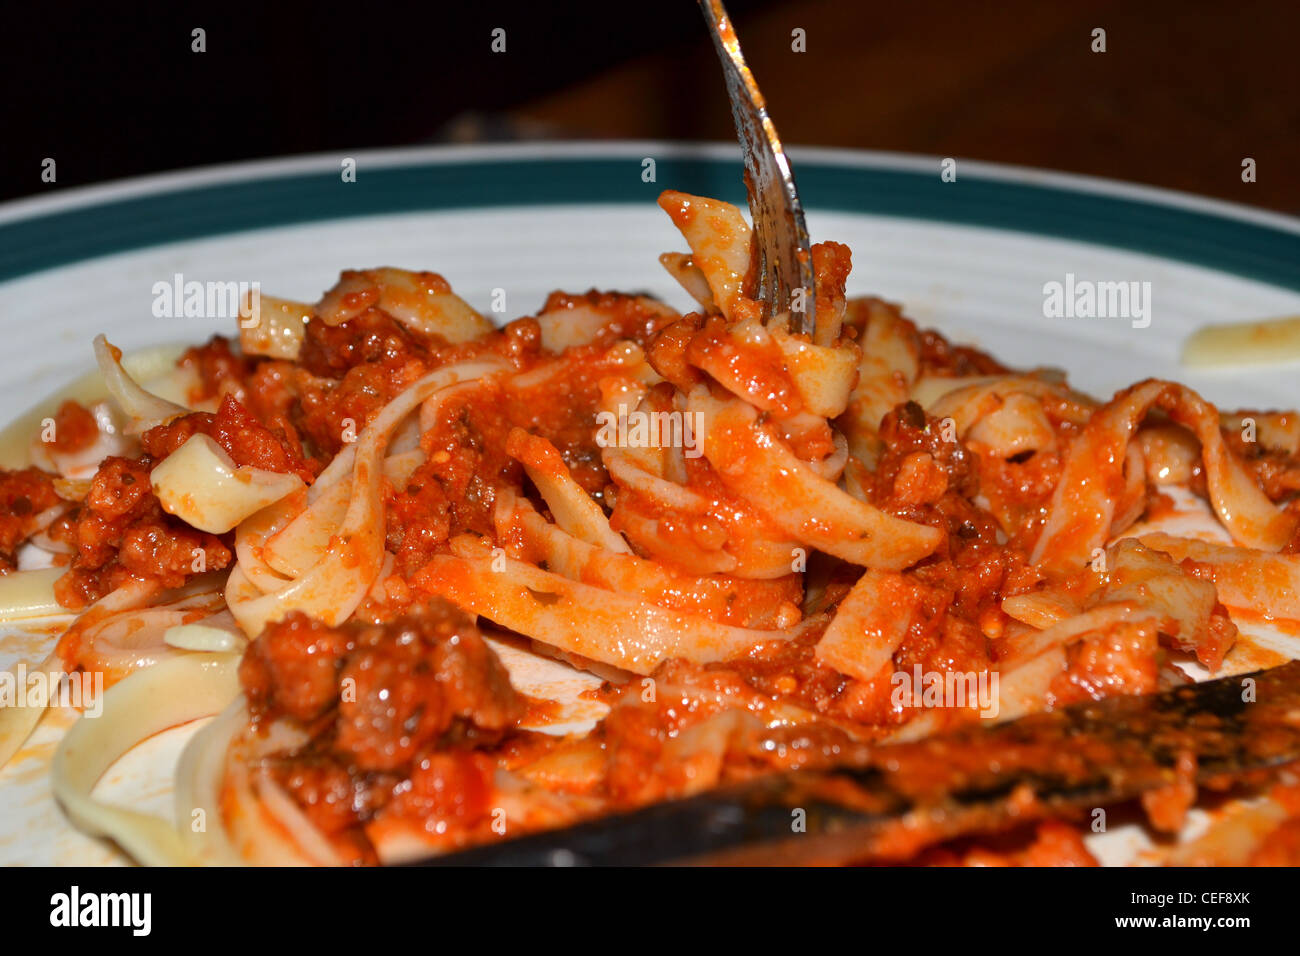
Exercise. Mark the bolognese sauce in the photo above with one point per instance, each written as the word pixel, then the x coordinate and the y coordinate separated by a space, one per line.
pixel 443 490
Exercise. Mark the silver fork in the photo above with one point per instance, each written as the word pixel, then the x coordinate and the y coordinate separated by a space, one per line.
pixel 785 263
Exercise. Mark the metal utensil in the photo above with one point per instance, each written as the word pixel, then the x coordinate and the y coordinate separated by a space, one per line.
pixel 785 281
pixel 887 802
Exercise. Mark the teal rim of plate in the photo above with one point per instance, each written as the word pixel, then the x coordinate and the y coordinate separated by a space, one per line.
pixel 1244 248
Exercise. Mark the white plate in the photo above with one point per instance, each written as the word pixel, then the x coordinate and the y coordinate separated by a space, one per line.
pixel 969 258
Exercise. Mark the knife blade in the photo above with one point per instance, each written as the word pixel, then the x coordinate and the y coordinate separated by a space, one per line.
pixel 887 802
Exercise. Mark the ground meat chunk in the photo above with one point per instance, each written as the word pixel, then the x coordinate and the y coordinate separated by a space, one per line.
pixel 293 667
pixel 448 786
pixel 245 439
pixel 396 716
pixel 476 684
pixel 75 429
pixel 941 357
pixel 335 799
pixel 24 495
pixel 331 414
pixel 371 338
pixel 396 705
pixel 168 551
pixel 161 440
pixel 1121 660
pixel 908 433
pixel 120 489
pixel 667 352
pixel 454 489
pixel 393 689
pixel 120 532
pixel 218 368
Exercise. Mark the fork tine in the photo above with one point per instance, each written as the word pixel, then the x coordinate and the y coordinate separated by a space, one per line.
pixel 780 231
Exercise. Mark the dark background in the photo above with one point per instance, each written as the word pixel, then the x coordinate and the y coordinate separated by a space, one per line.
pixel 1184 92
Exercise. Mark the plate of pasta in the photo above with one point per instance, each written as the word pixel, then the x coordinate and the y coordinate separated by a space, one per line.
pixel 361 510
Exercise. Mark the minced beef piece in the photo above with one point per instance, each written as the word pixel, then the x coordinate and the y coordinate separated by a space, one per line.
pixel 24 494
pixel 941 357
pixel 371 338
pixel 120 532
pixel 245 439
pixel 391 689
pixel 218 368
pixel 395 712
pixel 75 429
